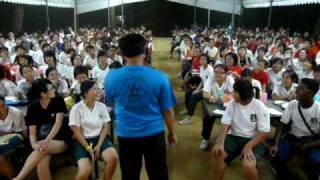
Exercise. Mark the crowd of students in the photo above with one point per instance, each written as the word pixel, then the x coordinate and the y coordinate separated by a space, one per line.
pixel 239 71
pixel 60 76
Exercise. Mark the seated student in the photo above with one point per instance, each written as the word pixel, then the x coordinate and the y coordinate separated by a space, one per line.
pixel 275 72
pixel 196 58
pixel 22 60
pixel 304 129
pixel 7 87
pixel 100 71
pixel 298 63
pixel 244 59
pixel 307 72
pixel 211 50
pixel 113 55
pixel 60 85
pixel 247 74
pixel 261 75
pixel 233 67
pixel 214 92
pixel 75 60
pixel 245 127
pixel 51 61
pixel 47 131
pixel 13 126
pixel 80 74
pixel 286 89
pixel 316 74
pixel 195 95
pixel 91 58
pixel 24 84
pixel 89 122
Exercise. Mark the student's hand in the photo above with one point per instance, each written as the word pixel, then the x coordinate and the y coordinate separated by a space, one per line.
pixel 248 154
pixel 217 150
pixel 195 91
pixel 172 138
pixel 35 146
pixel 43 145
pixel 273 150
pixel 212 100
pixel 96 152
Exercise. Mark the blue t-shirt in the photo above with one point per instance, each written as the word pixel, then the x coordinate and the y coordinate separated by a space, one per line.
pixel 140 95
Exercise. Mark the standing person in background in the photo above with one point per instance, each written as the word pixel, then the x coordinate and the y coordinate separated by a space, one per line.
pixel 141 105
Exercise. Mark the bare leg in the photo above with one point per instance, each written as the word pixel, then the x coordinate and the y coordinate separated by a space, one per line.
pixel 6 167
pixel 218 166
pixel 110 157
pixel 35 157
pixel 43 169
pixel 250 169
pixel 84 169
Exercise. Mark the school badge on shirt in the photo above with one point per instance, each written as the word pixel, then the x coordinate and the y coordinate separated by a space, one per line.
pixel 253 118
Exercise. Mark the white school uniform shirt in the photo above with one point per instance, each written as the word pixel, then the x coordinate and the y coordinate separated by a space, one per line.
pixel 89 61
pixel 212 52
pixel 100 75
pixel 275 77
pixel 38 58
pixel 214 89
pixel 318 58
pixel 89 121
pixel 257 84
pixel 303 75
pixel 246 121
pixel 207 73
pixel 298 127
pixel 14 122
pixel 63 87
pixel 8 88
pixel 297 66
pixel 76 87
pixel 280 90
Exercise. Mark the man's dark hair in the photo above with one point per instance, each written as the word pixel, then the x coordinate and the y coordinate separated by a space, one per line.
pixel 102 53
pixel 50 54
pixel 245 89
pixel 310 84
pixel 89 47
pixel 38 86
pixel 132 45
pixel 317 68
pixel 80 70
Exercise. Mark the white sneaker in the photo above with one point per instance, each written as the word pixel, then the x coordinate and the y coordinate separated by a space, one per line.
pixel 204 145
pixel 185 111
pixel 185 121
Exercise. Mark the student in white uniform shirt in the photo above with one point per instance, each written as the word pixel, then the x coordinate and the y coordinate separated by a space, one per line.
pixel 13 129
pixel 247 75
pixel 298 63
pixel 91 58
pixel 211 50
pixel 192 97
pixel 245 127
pixel 303 119
pixel 113 55
pixel 100 71
pixel 308 66
pixel 89 122
pixel 275 72
pixel 60 85
pixel 286 89
pixel 213 92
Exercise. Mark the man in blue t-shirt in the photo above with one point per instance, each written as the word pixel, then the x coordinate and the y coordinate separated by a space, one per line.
pixel 144 101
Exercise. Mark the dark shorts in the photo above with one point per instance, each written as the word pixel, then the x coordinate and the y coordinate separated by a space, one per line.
pixel 234 144
pixel 13 143
pixel 80 152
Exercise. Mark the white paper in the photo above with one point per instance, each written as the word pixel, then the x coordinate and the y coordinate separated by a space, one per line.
pixel 275 112
pixel 218 111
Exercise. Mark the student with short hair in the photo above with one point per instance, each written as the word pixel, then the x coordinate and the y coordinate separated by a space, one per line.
pixel 275 72
pixel 143 100
pixel 60 85
pixel 302 118
pixel 307 72
pixel 245 127
pixel 80 74
pixel 261 75
pixel 24 84
pixel 48 130
pixel 286 89
pixel 91 58
pixel 100 71
pixel 89 122
pixel 12 125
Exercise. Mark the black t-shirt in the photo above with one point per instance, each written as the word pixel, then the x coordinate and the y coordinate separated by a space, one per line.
pixel 37 116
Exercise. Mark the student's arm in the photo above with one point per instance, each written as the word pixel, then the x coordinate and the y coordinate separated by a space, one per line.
pixel 170 122
pixel 219 146
pixel 208 97
pixel 33 137
pixel 312 144
pixel 277 97
pixel 79 137
pixel 102 136
pixel 56 127
pixel 277 136
pixel 199 87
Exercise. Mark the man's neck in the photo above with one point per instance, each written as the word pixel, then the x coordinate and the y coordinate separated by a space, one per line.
pixel 135 61
pixel 306 104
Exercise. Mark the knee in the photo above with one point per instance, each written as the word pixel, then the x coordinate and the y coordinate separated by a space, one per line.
pixel 248 165
pixel 110 157
pixel 84 170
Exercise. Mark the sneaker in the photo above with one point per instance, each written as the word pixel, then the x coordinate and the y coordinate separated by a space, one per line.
pixel 185 111
pixel 204 145
pixel 185 121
